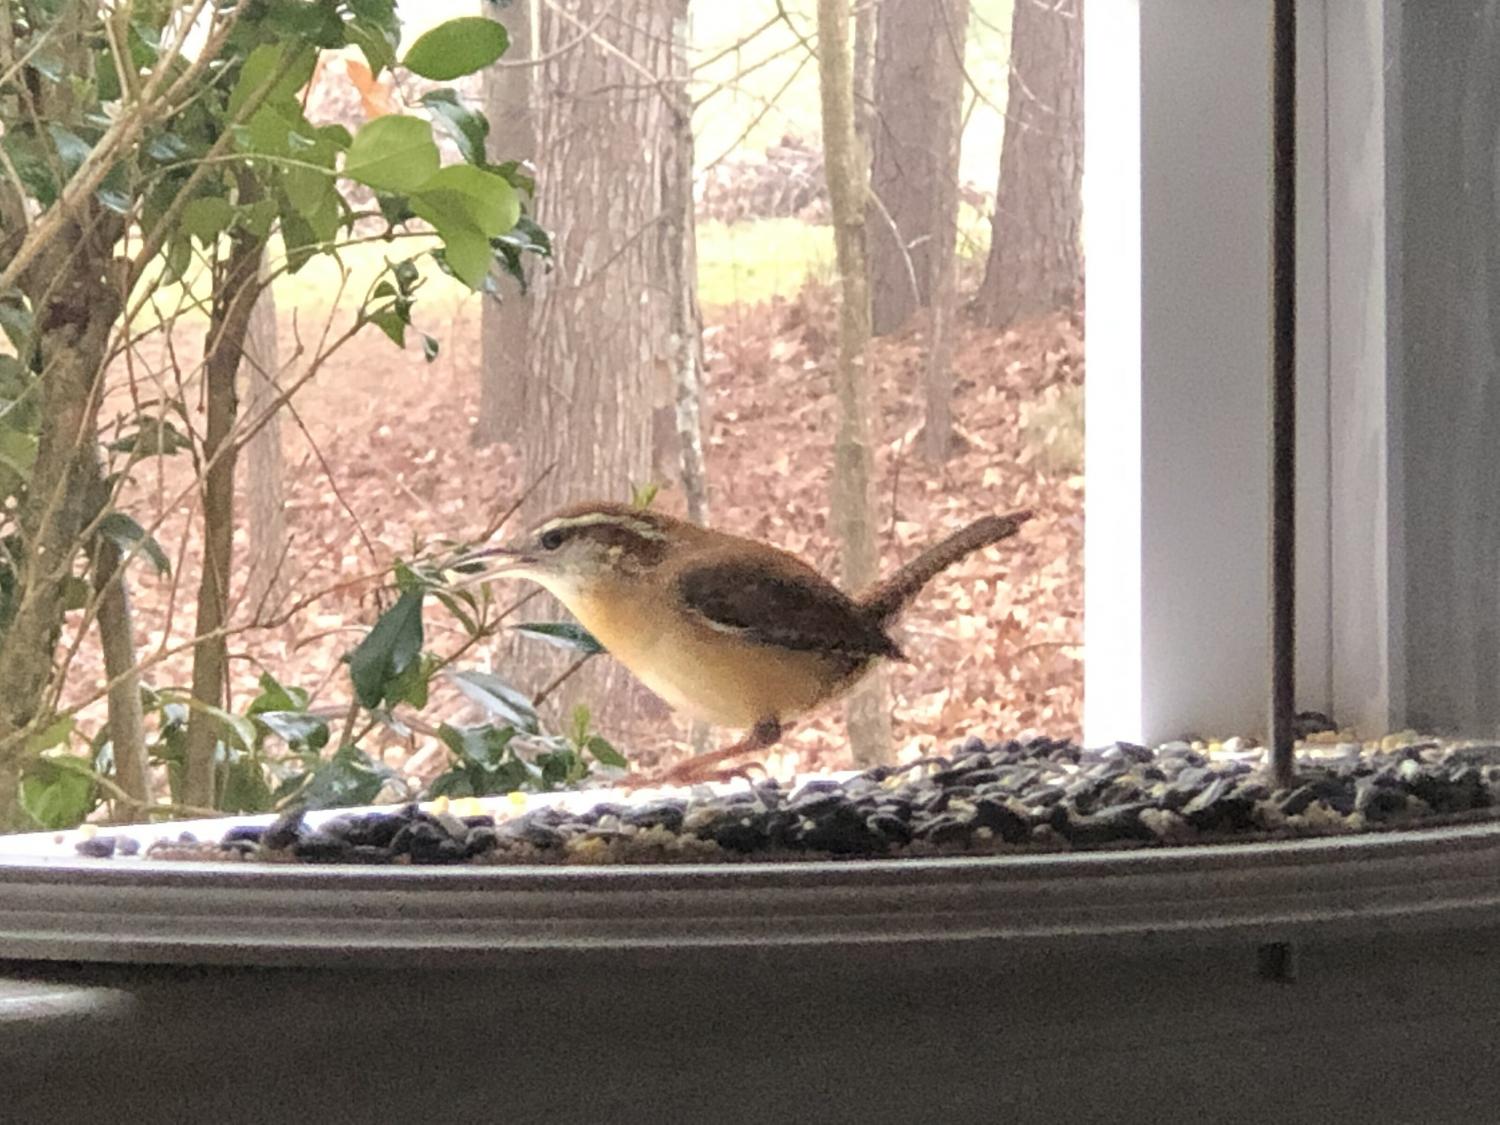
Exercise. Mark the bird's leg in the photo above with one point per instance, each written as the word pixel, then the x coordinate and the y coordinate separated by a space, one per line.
pixel 711 766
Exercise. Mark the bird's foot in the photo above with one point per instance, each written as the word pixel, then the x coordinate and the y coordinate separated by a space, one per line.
pixel 717 765
pixel 698 769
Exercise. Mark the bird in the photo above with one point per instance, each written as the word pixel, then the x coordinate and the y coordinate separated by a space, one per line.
pixel 726 629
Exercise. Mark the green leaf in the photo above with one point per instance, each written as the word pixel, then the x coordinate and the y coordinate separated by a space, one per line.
pixel 15 379
pixel 155 437
pixel 17 455
pixel 297 729
pixel 523 240
pixel 429 348
pixel 560 767
pixel 461 195
pixel 144 43
pixel 411 685
pixel 294 61
pixel 315 23
pixel 375 30
pixel 497 697
pixel 485 746
pixel 580 720
pixel 604 753
pixel 75 592
pixel 392 153
pixel 456 48
pixel 32 167
pixel 466 126
pixel 54 734
pixel 245 789
pixel 206 217
pixel 454 783
pixel 179 258
pixel 57 791
pixel 467 206
pixel 379 49
pixel 258 217
pixel 106 78
pixel 517 175
pixel 270 128
pixel 394 209
pixel 276 697
pixel 644 495
pixel 392 324
pixel 564 634
pixel 15 321
pixel 451 602
pixel 387 651
pixel 331 138
pixel 72 150
pixel 467 255
pixel 350 777
pixel 315 200
pixel 307 189
pixel 236 727
pixel 165 148
pixel 170 747
pixel 113 193
pixel 126 533
pixel 48 65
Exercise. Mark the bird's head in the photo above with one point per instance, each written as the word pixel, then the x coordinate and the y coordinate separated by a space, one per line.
pixel 581 547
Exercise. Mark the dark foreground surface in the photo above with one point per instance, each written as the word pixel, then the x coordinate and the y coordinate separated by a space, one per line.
pixel 1386 1030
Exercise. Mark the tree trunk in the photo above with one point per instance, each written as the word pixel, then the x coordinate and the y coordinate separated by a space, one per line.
pixel 234 298
pixel 75 313
pixel 918 89
pixel 1036 262
pixel 265 460
pixel 866 20
pixel 601 317
pixel 680 268
pixel 69 287
pixel 127 726
pixel 853 509
pixel 680 254
pixel 505 345
pixel 946 142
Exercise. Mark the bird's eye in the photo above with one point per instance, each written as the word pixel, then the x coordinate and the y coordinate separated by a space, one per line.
pixel 552 540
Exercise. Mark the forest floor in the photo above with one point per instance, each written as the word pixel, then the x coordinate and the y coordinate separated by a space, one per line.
pixel 384 466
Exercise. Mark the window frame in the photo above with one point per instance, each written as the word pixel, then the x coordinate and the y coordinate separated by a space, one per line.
pixel 1177 194
pixel 1177 119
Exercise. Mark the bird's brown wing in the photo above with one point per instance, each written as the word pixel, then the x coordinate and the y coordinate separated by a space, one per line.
pixel 802 612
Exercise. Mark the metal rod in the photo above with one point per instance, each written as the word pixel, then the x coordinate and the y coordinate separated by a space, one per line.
pixel 1283 389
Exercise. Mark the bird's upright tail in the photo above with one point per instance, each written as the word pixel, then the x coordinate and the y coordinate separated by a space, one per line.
pixel 886 599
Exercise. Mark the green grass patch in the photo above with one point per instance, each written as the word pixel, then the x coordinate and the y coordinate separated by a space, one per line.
pixel 748 263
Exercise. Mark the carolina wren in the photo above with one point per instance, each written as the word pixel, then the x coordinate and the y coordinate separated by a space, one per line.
pixel 729 630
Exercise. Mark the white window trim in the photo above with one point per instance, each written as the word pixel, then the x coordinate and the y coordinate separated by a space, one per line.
pixel 1178 194
pixel 1366 555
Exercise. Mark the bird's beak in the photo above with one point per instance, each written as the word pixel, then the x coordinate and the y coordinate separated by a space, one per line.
pixel 486 563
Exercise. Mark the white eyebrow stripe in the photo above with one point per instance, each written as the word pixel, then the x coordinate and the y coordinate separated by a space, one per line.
pixel 595 519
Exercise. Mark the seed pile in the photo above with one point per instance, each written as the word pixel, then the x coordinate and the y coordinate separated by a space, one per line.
pixel 1045 794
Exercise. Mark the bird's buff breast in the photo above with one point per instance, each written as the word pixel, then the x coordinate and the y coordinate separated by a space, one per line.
pixel 709 675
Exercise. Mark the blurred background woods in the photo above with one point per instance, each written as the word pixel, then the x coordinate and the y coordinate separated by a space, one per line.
pixel 815 277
